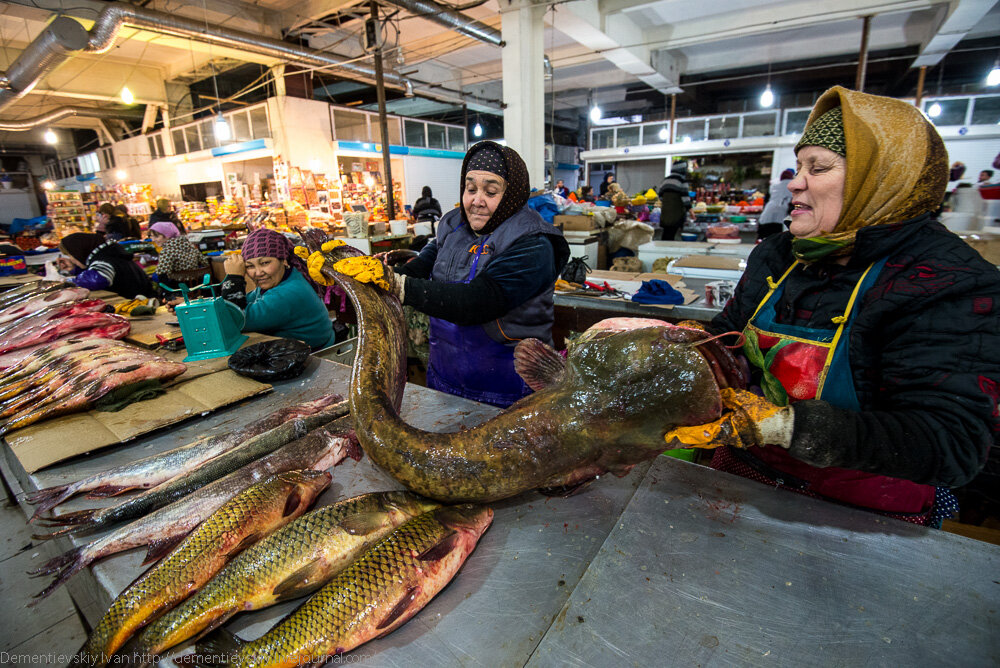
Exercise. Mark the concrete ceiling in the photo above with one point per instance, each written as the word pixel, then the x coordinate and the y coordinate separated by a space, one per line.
pixel 614 47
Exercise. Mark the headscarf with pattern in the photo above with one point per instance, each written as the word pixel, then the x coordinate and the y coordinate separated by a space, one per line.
pixel 897 168
pixel 514 172
pixel 264 242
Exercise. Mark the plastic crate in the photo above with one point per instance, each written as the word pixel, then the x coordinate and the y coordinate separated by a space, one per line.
pixel 342 352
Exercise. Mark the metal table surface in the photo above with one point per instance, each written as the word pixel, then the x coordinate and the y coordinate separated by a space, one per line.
pixel 697 310
pixel 682 565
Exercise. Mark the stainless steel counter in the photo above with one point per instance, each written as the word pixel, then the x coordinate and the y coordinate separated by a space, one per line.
pixel 680 566
pixel 697 310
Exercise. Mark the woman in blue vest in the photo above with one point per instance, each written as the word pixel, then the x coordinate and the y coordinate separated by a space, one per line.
pixel 486 280
pixel 872 331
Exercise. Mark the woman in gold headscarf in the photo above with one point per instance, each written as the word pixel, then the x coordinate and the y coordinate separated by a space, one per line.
pixel 872 332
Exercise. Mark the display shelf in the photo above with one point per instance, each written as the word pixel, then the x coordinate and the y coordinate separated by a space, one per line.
pixel 67 212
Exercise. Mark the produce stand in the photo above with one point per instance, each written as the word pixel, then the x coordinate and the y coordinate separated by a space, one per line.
pixel 674 564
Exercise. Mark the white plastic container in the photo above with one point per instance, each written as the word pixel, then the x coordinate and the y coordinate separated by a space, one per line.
pixel 397 227
pixel 422 228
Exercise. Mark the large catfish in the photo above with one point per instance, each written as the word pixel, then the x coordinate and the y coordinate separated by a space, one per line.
pixel 605 408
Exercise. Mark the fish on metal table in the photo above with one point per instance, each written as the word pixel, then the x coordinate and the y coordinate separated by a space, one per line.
pixel 163 529
pixel 251 515
pixel 371 598
pixel 292 562
pixel 151 471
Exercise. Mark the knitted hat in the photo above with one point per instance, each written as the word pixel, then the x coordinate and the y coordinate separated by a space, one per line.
pixel 826 131
pixel 266 243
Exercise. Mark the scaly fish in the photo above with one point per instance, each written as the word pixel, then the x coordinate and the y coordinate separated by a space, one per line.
pixel 604 408
pixel 50 330
pixel 24 292
pixel 151 471
pixel 292 562
pixel 21 326
pixel 183 484
pixel 372 597
pixel 241 522
pixel 41 301
pixel 161 530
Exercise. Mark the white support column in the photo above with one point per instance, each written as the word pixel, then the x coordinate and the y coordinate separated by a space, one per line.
pixel 523 30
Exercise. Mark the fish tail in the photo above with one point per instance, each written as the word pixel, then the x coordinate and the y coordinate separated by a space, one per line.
pixel 50 497
pixel 77 519
pixel 218 648
pixel 64 566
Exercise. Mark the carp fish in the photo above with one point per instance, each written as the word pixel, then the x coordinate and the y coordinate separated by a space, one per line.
pixel 252 514
pixel 605 408
pixel 371 598
pixel 292 562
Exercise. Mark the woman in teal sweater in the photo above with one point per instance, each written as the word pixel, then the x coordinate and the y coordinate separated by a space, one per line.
pixel 285 303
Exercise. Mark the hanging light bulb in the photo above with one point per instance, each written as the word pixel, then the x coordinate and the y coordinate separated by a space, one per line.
pixel 50 137
pixel 477 131
pixel 121 175
pixel 767 97
pixel 127 96
pixel 595 113
pixel 222 132
pixel 993 78
pixel 49 185
pixel 664 134
pixel 934 110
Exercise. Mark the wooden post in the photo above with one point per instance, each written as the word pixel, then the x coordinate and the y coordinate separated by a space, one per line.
pixel 390 205
pixel 673 115
pixel 920 86
pixel 859 80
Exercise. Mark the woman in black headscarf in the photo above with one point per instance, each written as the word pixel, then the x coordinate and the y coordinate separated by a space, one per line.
pixel 486 280
pixel 101 264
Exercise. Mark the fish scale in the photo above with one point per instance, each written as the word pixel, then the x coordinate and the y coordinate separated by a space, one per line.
pixel 256 511
pixel 293 561
pixel 374 595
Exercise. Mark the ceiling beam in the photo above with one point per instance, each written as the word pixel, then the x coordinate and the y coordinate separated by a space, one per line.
pixel 961 17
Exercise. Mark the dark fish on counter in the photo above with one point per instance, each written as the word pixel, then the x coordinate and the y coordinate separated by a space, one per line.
pixel 604 409
pixel 241 522
pixel 292 562
pixel 41 301
pixel 161 530
pixel 183 484
pixel 53 329
pixel 82 396
pixel 371 598
pixel 24 292
pixel 151 471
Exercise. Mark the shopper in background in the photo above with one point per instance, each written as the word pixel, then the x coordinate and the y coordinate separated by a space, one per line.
pixel 285 302
pixel 609 178
pixel 165 213
pixel 426 208
pixel 675 202
pixel 133 229
pixel 102 264
pixel 177 254
pixel 586 194
pixel 985 178
pixel 486 280
pixel 110 222
pixel 772 219
pixel 873 330
pixel 561 189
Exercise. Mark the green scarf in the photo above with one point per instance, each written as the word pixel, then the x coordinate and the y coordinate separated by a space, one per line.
pixel 835 244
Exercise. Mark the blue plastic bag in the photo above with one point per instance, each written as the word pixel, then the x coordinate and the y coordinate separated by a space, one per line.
pixel 546 207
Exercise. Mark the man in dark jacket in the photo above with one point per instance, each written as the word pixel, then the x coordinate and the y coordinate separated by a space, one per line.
pixel 675 202
pixel 426 208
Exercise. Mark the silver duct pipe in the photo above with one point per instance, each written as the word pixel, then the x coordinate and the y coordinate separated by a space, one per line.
pixel 111 19
pixel 450 18
pixel 64 112
pixel 52 46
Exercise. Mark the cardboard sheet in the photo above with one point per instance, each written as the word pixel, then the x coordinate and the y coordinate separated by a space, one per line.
pixel 18 281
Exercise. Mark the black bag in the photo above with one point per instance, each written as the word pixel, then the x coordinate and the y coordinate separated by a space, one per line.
pixel 576 270
pixel 279 359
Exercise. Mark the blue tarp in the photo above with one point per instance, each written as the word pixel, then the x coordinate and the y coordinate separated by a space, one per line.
pixel 546 207
pixel 18 225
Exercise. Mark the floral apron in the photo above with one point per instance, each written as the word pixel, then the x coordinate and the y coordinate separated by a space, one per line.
pixel 800 363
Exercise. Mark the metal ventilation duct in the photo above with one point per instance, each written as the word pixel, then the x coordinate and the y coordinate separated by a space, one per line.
pixel 64 112
pixel 450 18
pixel 53 45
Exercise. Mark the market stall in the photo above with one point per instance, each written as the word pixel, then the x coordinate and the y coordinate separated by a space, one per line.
pixel 673 560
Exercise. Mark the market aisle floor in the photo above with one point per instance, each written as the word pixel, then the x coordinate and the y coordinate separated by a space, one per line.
pixel 49 629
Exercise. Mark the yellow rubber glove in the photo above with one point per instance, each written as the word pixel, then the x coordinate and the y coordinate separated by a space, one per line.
pixel 365 270
pixel 748 420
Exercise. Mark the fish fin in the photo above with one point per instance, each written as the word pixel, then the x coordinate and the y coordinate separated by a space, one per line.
pixel 440 549
pixel 400 609
pixel 301 582
pixel 161 547
pixel 77 518
pixel 538 364
pixel 292 503
pixel 245 543
pixel 105 491
pixel 565 490
pixel 64 566
pixel 363 523
pixel 47 498
pixel 212 649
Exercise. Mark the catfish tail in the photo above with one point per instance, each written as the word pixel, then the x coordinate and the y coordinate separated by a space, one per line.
pixel 64 567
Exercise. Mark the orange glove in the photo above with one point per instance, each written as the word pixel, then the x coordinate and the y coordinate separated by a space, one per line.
pixel 748 420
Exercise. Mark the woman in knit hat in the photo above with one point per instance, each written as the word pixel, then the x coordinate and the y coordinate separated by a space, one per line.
pixel 486 280
pixel 872 331
pixel 284 303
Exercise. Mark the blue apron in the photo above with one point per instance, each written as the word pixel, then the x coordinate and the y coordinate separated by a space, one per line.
pixel 466 362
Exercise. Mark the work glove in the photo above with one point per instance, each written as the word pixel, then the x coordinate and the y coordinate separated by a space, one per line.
pixel 748 420
pixel 370 270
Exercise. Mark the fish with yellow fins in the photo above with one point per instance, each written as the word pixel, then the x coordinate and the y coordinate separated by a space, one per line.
pixel 372 597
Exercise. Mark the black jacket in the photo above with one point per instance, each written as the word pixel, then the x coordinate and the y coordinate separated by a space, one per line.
pixel 675 202
pixel 115 263
pixel 426 205
pixel 924 351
